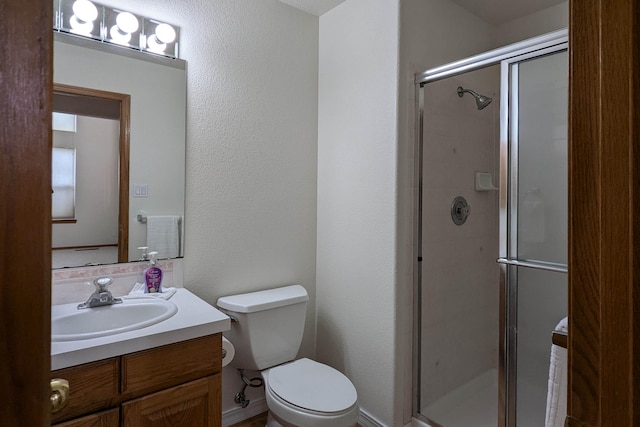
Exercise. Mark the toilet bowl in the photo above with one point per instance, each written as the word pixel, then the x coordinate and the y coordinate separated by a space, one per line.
pixel 305 393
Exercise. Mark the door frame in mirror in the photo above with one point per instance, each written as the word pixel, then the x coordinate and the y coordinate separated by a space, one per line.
pixel 123 158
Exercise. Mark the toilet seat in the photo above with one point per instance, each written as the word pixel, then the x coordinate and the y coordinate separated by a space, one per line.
pixel 312 386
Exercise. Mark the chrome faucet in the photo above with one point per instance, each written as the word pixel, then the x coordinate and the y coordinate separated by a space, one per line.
pixel 101 296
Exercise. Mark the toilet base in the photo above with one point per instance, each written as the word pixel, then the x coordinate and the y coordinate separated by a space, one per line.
pixel 272 422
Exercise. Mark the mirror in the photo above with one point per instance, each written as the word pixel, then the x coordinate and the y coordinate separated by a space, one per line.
pixel 153 209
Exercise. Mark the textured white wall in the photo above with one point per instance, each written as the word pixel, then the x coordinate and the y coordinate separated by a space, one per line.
pixel 251 147
pixel 545 21
pixel 357 142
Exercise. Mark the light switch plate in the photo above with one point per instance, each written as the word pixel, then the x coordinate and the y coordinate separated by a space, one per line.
pixel 140 190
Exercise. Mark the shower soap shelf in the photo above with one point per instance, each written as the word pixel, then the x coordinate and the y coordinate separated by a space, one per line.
pixel 484 182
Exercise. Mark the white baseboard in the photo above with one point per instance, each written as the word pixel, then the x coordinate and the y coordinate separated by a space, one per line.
pixel 417 423
pixel 367 420
pixel 235 415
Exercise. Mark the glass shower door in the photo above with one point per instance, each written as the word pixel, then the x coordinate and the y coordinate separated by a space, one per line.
pixel 533 246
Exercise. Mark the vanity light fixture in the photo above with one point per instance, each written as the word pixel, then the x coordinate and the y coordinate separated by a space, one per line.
pixel 87 18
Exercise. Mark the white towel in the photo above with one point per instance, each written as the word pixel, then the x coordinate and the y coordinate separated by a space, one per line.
pixel 557 388
pixel 163 235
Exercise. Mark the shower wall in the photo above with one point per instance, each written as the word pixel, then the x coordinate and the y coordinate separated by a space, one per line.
pixel 460 282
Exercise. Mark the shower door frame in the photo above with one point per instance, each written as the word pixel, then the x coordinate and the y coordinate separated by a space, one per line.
pixel 505 56
pixel 508 224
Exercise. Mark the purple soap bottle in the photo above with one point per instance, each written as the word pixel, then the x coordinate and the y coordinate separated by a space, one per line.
pixel 153 275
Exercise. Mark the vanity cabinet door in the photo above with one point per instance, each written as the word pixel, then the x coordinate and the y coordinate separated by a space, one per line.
pixel 92 387
pixel 110 418
pixel 196 403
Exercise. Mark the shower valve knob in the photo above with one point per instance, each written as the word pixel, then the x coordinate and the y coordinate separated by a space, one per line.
pixel 460 210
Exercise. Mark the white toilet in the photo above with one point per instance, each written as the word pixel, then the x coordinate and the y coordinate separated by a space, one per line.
pixel 266 333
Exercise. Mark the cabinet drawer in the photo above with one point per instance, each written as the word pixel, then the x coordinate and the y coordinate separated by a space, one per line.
pixel 157 368
pixel 92 387
pixel 109 418
pixel 196 403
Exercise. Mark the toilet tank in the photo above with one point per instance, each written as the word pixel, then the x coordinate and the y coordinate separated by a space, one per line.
pixel 269 325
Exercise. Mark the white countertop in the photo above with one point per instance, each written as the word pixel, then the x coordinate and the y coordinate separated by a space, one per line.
pixel 195 318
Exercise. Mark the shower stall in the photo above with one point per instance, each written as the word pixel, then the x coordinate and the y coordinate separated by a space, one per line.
pixel 491 281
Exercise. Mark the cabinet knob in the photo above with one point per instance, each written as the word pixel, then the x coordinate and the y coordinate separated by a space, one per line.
pixel 59 394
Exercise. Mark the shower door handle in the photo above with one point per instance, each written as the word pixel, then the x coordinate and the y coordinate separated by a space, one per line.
pixel 539 265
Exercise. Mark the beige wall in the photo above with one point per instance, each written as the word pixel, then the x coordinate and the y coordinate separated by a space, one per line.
pixel 357 143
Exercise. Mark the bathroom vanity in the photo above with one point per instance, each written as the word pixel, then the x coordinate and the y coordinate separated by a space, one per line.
pixel 165 374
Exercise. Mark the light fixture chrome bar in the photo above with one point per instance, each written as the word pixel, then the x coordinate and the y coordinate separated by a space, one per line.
pixel 114 49
pixel 540 265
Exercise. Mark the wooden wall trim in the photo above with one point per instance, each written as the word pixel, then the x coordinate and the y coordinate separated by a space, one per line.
pixel 603 201
pixel 123 207
pixel 25 214
pixel 634 121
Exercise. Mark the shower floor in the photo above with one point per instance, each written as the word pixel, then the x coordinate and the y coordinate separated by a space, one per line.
pixel 474 404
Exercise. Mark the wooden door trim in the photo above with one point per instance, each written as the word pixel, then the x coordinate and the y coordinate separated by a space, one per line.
pixel 604 197
pixel 25 216
pixel 123 159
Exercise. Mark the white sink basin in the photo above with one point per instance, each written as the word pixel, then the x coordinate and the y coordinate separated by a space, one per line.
pixel 68 323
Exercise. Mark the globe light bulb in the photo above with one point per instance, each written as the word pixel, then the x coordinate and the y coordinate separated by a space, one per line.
pixel 165 33
pixel 85 11
pixel 127 22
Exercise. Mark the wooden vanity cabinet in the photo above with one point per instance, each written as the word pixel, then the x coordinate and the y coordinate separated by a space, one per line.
pixel 190 404
pixel 173 385
pixel 92 387
pixel 110 418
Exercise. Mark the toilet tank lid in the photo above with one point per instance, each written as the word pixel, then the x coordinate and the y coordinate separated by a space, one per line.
pixel 264 300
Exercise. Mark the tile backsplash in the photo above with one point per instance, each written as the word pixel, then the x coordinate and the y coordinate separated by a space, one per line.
pixel 71 285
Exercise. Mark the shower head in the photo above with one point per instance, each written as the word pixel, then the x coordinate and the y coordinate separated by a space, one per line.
pixel 481 100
